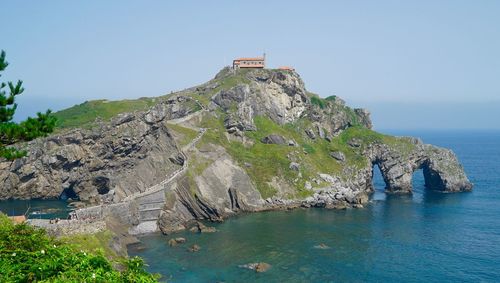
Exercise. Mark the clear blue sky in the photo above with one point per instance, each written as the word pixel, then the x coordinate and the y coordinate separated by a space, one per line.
pixel 414 64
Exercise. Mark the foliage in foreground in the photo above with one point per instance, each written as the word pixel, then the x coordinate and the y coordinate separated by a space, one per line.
pixel 28 254
pixel 11 132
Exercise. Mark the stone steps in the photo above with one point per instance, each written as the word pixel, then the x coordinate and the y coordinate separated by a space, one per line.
pixel 150 209
pixel 153 205
pixel 142 220
pixel 152 214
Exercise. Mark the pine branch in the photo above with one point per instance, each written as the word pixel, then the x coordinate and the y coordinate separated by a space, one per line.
pixel 10 132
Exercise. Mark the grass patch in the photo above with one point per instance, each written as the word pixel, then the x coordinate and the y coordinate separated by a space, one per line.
pixel 184 135
pixel 367 137
pixel 270 160
pixel 331 98
pixel 229 81
pixel 318 101
pixel 93 243
pixel 84 115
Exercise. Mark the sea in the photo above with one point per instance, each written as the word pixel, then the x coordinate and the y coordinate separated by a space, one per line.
pixel 424 237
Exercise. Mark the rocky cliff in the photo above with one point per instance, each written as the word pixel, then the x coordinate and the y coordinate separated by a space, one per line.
pixel 248 140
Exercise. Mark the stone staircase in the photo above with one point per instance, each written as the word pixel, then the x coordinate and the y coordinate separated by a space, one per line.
pixel 150 206
pixel 152 200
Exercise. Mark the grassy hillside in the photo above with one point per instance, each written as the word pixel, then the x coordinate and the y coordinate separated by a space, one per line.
pixel 265 161
pixel 85 114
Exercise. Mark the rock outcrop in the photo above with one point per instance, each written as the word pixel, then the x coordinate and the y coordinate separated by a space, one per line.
pixel 262 142
pixel 127 155
pixel 281 96
pixel 440 166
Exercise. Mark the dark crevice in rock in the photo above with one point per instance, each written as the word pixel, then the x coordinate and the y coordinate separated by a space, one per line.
pixel 69 193
pixel 233 196
pixel 102 184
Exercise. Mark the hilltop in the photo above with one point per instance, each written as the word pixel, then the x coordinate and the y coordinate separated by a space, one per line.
pixel 247 140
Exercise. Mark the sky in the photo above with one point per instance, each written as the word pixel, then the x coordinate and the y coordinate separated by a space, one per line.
pixel 413 64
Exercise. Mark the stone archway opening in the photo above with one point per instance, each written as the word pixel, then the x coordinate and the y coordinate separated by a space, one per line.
pixel 378 182
pixel 402 178
pixel 430 167
pixel 418 180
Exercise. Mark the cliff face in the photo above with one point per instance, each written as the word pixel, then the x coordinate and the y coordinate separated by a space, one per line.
pixel 127 155
pixel 248 140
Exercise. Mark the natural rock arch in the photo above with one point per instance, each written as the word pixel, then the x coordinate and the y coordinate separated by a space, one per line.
pixel 441 169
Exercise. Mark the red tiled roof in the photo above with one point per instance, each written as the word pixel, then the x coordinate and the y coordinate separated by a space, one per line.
pixel 250 59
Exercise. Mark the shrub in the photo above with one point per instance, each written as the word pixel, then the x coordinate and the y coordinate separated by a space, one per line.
pixel 28 254
pixel 318 101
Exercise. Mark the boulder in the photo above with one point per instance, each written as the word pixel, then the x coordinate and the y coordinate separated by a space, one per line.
pixel 338 155
pixel 274 139
pixel 295 166
pixel 175 241
pixel 177 159
pixel 310 134
pixel 354 142
pixel 321 132
pixel 201 228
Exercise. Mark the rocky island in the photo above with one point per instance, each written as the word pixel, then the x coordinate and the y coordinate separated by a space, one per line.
pixel 248 140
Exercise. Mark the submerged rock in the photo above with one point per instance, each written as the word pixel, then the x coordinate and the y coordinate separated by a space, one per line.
pixel 201 228
pixel 175 241
pixel 322 246
pixel 257 267
pixel 194 248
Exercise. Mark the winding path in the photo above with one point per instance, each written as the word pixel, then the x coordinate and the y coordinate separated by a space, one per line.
pixel 151 201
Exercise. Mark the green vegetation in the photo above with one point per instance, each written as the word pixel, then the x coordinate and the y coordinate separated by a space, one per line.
pixel 368 136
pixel 93 243
pixel 315 100
pixel 183 135
pixel 331 98
pixel 10 132
pixel 268 161
pixel 232 80
pixel 84 115
pixel 28 254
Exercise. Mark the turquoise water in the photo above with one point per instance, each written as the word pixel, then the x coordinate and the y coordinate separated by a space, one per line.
pixel 426 237
pixel 41 209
